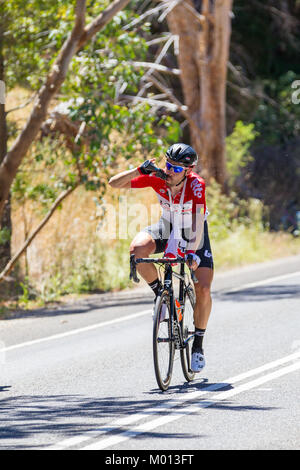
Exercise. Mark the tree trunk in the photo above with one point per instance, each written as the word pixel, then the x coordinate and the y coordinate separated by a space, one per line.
pixel 204 29
pixel 5 223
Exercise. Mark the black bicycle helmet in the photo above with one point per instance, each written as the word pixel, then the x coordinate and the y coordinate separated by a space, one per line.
pixel 183 154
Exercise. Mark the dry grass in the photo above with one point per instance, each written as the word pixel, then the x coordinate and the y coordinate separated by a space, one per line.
pixel 245 246
pixel 71 233
pixel 16 98
pixel 68 256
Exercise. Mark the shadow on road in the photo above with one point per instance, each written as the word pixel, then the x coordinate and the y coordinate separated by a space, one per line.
pixel 94 302
pixel 263 293
pixel 28 420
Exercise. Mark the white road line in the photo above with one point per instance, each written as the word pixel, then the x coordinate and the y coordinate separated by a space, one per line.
pixel 78 330
pixel 171 403
pixel 194 408
pixel 134 315
pixel 260 283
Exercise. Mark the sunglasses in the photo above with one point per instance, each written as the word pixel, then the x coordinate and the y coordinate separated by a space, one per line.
pixel 175 168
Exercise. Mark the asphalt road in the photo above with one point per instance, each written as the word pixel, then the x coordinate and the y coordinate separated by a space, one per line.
pixel 81 376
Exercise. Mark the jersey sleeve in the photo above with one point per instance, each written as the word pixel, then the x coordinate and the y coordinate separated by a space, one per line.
pixel 147 181
pixel 142 181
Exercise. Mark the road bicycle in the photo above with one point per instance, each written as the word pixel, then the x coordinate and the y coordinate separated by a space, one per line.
pixel 173 321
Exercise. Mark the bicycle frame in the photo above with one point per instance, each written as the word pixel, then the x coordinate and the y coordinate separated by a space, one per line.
pixel 176 332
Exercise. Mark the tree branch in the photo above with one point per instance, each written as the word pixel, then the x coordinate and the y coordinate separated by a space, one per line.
pixel 79 15
pixel 169 8
pixel 17 256
pixel 200 18
pixel 152 101
pixel 144 15
pixel 252 94
pixel 154 66
pixel 158 40
pixel 182 108
pixel 21 106
pixel 105 17
pixel 75 41
pixel 158 59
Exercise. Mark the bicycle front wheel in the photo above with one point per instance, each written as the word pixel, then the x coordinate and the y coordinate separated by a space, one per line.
pixel 188 329
pixel 163 344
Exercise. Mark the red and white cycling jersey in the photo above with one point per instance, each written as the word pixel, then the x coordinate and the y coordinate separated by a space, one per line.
pixel 189 200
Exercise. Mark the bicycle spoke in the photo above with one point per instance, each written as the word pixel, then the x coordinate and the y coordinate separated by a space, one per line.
pixel 163 347
pixel 188 330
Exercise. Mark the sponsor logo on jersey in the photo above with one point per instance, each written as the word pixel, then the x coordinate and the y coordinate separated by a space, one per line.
pixel 197 188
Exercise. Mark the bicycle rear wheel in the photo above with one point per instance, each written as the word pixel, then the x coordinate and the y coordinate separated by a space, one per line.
pixel 163 344
pixel 187 328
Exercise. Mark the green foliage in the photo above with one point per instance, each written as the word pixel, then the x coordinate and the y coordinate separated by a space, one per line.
pixel 28 293
pixel 229 213
pixel 278 121
pixel 43 177
pixel 265 37
pixel 103 66
pixel 98 268
pixel 98 74
pixel 33 33
pixel 237 149
pixel 5 235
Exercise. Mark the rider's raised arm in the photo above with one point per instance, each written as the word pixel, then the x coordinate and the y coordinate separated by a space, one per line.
pixel 122 180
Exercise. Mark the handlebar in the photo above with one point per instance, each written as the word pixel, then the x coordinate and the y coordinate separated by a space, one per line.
pixel 160 260
pixel 134 262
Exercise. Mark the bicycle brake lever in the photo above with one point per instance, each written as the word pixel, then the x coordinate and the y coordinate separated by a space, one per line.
pixel 133 275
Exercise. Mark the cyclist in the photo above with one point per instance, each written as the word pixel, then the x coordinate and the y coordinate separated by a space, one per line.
pixel 181 194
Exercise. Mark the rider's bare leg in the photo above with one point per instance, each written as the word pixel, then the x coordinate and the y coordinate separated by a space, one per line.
pixel 143 246
pixel 201 315
pixel 203 297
